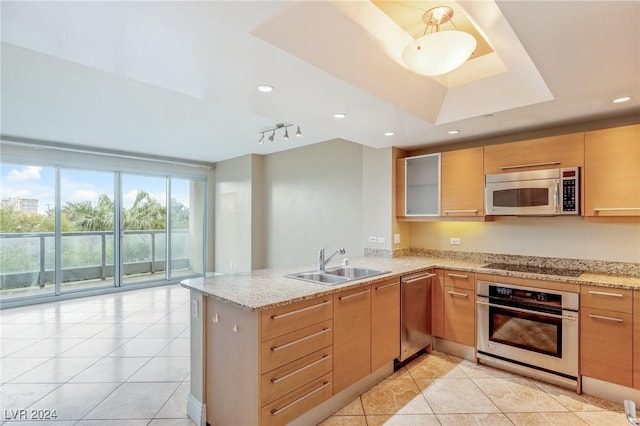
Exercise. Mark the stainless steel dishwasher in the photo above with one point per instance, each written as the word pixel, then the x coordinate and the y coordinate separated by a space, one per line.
pixel 415 314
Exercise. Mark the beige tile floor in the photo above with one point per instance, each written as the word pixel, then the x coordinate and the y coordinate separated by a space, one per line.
pixel 123 359
pixel 439 389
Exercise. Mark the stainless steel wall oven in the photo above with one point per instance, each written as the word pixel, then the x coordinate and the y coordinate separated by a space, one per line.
pixel 529 330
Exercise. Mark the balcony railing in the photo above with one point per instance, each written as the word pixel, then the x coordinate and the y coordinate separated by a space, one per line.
pixel 28 259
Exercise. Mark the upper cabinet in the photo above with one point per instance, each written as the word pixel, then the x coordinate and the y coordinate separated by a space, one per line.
pixel 612 172
pixel 535 154
pixel 418 192
pixel 463 183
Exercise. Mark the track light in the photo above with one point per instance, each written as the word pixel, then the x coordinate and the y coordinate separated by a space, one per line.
pixel 273 129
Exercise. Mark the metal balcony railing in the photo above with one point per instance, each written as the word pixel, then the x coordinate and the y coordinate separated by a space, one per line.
pixel 28 259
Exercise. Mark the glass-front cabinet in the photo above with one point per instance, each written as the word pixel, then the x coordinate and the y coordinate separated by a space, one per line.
pixel 421 185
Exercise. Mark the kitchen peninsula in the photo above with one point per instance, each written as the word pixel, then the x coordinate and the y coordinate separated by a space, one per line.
pixel 249 368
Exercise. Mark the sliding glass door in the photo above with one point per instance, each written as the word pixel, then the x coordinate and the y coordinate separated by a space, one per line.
pixel 65 230
pixel 87 236
pixel 144 225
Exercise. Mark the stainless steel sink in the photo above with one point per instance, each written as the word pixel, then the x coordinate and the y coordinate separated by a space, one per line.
pixel 336 275
pixel 354 273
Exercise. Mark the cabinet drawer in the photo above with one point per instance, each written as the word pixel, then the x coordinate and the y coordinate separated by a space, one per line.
pixel 611 299
pixel 460 279
pixel 288 318
pixel 283 380
pixel 284 349
pixel 606 348
pixel 460 315
pixel 282 411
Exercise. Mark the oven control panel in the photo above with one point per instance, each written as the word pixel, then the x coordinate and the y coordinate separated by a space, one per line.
pixel 525 295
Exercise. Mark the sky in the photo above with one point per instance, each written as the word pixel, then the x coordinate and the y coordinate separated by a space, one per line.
pixel 20 181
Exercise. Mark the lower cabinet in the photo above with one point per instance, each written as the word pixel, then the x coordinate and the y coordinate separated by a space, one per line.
pixel 385 322
pixel 352 336
pixel 460 307
pixel 606 334
pixel 437 304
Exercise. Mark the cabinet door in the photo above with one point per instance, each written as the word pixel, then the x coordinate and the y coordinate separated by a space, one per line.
pixel 606 347
pixel 463 182
pixel 460 315
pixel 352 336
pixel 612 172
pixel 636 339
pixel 535 154
pixel 385 323
pixel 437 304
pixel 423 185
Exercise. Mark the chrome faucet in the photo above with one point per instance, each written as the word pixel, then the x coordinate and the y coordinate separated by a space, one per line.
pixel 321 259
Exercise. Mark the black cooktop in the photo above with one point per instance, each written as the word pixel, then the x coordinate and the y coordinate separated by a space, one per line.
pixel 535 269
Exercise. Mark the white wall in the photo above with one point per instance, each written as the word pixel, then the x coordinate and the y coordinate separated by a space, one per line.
pixel 564 237
pixel 313 199
pixel 377 196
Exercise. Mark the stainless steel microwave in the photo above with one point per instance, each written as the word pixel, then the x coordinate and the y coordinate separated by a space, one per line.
pixel 547 192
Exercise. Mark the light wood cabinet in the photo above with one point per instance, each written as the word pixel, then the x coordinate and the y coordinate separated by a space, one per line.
pixel 636 339
pixel 460 307
pixel 385 322
pixel 612 172
pixel 352 336
pixel 606 333
pixel 463 183
pixel 267 368
pixel 437 303
pixel 535 154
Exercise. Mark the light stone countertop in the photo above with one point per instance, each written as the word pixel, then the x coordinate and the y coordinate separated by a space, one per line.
pixel 267 288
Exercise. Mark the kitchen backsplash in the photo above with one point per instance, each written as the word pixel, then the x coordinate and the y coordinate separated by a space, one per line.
pixel 596 266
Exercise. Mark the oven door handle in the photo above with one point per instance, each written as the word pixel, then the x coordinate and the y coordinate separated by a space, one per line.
pixel 527 311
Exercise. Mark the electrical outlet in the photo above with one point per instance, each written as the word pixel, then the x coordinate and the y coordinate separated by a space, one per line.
pixel 194 308
pixel 382 240
pixel 373 239
pixel 396 238
pixel 455 241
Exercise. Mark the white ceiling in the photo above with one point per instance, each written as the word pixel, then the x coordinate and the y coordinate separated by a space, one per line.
pixel 179 79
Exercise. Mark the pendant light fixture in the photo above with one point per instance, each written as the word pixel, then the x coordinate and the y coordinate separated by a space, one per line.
pixel 273 129
pixel 438 52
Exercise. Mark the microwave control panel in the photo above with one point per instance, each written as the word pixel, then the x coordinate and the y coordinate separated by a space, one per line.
pixel 570 190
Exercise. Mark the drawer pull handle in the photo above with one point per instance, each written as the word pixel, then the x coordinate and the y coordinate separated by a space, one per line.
pixel 303 339
pixel 606 318
pixel 299 370
pixel 382 287
pixel 277 411
pixel 604 293
pixel 349 296
pixel 458 276
pixel 455 293
pixel 421 277
pixel 298 311
pixel 461 211
pixel 521 166
pixel 617 209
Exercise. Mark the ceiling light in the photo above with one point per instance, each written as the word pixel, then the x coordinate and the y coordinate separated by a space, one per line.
pixel 621 99
pixel 339 115
pixel 438 52
pixel 273 129
pixel 388 133
pixel 265 88
pixel 453 132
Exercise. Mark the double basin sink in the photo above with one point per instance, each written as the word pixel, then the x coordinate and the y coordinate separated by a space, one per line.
pixel 336 276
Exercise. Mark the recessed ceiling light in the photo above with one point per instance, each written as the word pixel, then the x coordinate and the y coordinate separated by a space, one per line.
pixel 621 99
pixel 339 115
pixel 388 133
pixel 453 132
pixel 265 88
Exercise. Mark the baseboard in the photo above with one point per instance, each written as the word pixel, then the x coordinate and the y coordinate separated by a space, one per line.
pixel 196 410
pixel 610 391
pixel 455 349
